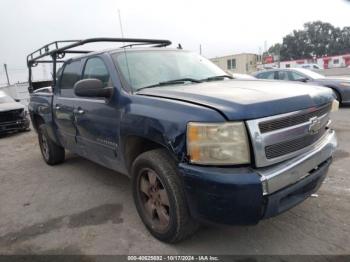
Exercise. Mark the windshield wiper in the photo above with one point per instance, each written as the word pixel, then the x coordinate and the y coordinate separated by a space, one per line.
pixel 172 82
pixel 214 78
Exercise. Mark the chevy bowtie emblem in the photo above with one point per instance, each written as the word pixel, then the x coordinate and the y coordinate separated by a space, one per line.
pixel 315 125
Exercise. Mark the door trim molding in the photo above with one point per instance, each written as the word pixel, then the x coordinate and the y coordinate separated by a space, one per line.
pixel 82 99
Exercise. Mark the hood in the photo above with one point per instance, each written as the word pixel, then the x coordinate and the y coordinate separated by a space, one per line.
pixel 246 99
pixel 10 106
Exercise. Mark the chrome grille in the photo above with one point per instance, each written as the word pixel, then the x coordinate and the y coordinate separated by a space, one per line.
pixel 284 122
pixel 9 116
pixel 293 145
pixel 281 137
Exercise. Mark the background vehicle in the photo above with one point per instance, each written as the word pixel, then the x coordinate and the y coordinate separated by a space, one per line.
pixel 242 76
pixel 198 146
pixel 13 116
pixel 340 87
pixel 19 92
pixel 311 66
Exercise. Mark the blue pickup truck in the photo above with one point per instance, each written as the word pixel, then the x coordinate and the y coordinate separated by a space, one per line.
pixel 199 146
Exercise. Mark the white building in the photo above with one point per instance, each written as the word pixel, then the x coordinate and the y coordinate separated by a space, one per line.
pixel 244 63
pixel 323 62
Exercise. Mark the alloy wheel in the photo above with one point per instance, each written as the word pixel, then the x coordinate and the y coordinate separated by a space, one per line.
pixel 154 200
pixel 44 145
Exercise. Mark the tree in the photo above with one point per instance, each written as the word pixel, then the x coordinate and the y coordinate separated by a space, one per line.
pixel 323 38
pixel 345 39
pixel 274 50
pixel 316 39
pixel 295 46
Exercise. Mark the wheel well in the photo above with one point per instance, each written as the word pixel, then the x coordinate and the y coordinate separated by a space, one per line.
pixel 135 146
pixel 37 121
pixel 337 93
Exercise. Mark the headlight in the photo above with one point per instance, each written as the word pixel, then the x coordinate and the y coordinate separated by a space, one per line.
pixel 218 144
pixel 24 113
pixel 346 84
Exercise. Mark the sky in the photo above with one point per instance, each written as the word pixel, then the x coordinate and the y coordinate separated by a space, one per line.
pixel 221 27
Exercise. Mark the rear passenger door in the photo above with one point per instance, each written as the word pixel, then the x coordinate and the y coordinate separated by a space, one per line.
pixel 268 75
pixel 282 75
pixel 63 104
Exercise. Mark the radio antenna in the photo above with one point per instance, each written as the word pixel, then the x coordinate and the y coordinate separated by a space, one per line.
pixel 120 23
pixel 122 33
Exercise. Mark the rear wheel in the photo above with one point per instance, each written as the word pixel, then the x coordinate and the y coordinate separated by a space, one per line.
pixel 159 197
pixel 52 153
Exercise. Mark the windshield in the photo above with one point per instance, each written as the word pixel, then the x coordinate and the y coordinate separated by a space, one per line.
pixel 5 98
pixel 145 68
pixel 310 73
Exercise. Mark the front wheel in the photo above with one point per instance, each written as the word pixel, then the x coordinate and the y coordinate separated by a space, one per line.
pixel 159 197
pixel 52 153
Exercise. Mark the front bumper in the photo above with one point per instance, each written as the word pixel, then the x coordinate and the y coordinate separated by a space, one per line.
pixel 241 196
pixel 18 125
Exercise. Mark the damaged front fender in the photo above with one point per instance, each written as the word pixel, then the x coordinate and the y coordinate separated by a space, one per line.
pixel 163 121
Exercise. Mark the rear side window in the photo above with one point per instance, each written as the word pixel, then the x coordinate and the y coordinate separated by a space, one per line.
pixel 294 76
pixel 70 75
pixel 96 68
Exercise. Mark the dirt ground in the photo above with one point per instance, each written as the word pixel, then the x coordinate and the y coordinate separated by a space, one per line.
pixel 82 208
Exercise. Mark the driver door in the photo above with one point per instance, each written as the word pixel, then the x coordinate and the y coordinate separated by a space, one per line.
pixel 97 119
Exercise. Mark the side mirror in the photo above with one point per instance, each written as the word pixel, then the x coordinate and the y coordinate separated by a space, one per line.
pixel 303 79
pixel 92 87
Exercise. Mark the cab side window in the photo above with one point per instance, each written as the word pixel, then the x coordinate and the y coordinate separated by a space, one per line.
pixel 96 68
pixel 70 75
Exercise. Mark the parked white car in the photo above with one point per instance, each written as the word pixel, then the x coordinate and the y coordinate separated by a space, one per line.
pixel 13 116
pixel 311 66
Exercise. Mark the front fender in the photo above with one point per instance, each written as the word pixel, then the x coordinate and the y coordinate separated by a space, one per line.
pixel 164 121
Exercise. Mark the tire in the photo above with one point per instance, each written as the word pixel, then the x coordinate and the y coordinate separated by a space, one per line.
pixel 52 153
pixel 155 172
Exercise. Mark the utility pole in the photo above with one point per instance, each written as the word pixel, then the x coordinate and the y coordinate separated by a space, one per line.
pixel 7 75
pixel 200 49
pixel 279 56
